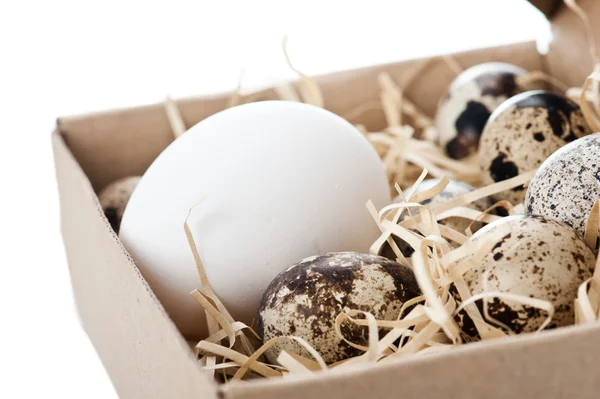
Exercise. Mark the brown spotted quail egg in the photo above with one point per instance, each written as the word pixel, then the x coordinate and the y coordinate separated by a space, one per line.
pixel 567 184
pixel 305 300
pixel 471 99
pixel 454 189
pixel 523 132
pixel 538 258
pixel 114 197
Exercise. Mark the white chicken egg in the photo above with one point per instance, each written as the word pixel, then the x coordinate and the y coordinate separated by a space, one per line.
pixel 281 181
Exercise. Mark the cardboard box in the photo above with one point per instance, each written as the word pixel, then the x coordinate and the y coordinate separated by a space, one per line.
pixel 147 357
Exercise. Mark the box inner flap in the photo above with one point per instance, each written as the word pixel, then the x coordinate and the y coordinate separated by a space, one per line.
pixel 568 58
pixel 121 143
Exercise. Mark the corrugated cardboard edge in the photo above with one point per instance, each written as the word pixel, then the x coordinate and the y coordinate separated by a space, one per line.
pixel 140 347
pixel 556 364
pixel 114 144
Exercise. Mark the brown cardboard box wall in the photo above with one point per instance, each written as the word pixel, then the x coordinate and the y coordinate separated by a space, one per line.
pixel 147 357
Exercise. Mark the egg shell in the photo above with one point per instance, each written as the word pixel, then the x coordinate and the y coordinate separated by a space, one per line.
pixel 523 132
pixel 454 189
pixel 539 258
pixel 114 198
pixel 281 181
pixel 305 300
pixel 471 98
pixel 566 186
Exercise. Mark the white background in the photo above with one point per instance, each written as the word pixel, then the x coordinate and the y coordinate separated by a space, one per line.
pixel 63 57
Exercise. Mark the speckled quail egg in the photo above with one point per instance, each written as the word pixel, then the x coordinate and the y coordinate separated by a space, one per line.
pixel 523 132
pixel 567 184
pixel 471 99
pixel 114 197
pixel 454 189
pixel 538 258
pixel 305 299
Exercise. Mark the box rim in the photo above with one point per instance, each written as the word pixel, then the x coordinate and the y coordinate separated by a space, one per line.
pixel 525 341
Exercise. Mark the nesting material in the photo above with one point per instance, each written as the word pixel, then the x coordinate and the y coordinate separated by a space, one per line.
pixel 453 190
pixel 458 223
pixel 438 266
pixel 175 118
